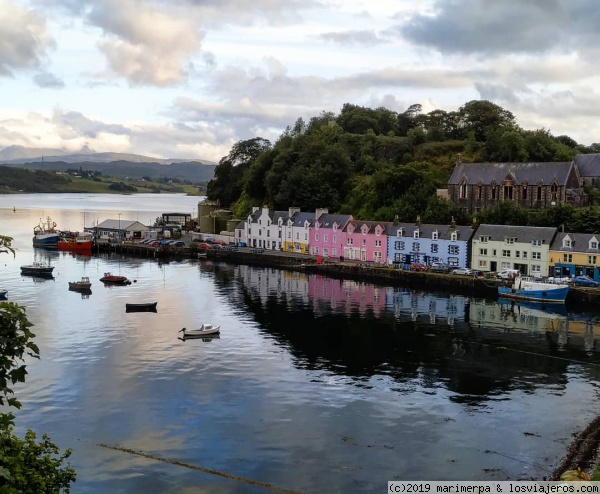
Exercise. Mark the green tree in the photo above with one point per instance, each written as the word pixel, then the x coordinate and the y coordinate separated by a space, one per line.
pixel 481 116
pixel 504 213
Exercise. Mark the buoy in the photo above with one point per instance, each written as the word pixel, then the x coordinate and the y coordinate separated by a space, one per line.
pixel 14 209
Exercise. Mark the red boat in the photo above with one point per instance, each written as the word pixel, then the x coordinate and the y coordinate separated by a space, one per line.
pixel 113 279
pixel 75 241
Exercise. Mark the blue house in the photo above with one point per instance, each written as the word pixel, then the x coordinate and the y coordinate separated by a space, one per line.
pixel 410 243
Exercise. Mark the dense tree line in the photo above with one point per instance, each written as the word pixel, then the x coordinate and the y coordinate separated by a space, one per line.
pixel 19 179
pixel 376 163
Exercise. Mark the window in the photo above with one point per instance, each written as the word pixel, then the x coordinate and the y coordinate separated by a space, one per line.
pixel 479 192
pixel 350 241
pixel 377 256
pixel 536 269
pixel 536 243
pixel 505 253
pixel 553 192
pixel 453 261
pixel 536 255
pixel 398 257
pixel 434 248
pixel 494 253
pixel 524 255
pixel 539 193
pixel 416 234
pixel 317 237
pixel 316 250
pixel 377 243
pixel 567 242
pixel 493 192
pixel 506 265
pixel 334 239
pixel 453 250
pixel 434 235
pixel 325 251
pixel 268 233
pixel 416 247
pixel 510 240
pixel 334 252
pixel 462 191
pixel 517 254
pixel 400 232
pixel 298 236
pixel 508 192
pixel 484 239
pixel 591 259
pixel 483 252
pixel 364 242
pixel 525 192
pixel 325 238
pixel 567 257
pixel 482 263
pixel 454 236
pixel 593 244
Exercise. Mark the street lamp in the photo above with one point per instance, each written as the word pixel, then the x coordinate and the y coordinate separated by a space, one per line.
pixel 119 214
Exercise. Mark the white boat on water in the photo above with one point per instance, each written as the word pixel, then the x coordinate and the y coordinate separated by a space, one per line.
pixel 201 332
pixel 527 288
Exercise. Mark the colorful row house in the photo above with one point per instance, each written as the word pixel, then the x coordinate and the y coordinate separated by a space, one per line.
pixel 499 247
pixel 574 254
pixel 365 241
pixel 410 243
pixel 326 238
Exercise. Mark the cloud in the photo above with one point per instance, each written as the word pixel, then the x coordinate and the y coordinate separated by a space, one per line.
pixel 24 38
pixel 48 80
pixel 72 124
pixel 357 37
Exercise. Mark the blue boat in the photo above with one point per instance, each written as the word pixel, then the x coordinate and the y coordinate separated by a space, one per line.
pixel 527 288
pixel 46 235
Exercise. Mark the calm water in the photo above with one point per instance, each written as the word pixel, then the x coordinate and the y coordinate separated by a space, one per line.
pixel 316 385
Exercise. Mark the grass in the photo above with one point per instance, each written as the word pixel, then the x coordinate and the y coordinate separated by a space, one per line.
pixel 84 185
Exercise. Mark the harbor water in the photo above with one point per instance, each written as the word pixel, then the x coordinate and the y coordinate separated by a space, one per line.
pixel 316 385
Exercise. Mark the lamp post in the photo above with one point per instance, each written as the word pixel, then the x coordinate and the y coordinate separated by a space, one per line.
pixel 120 239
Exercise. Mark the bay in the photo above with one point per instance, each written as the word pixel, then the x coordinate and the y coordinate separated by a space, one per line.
pixel 316 384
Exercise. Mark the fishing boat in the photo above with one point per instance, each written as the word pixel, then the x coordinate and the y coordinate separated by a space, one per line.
pixel 3 294
pixel 145 307
pixel 83 284
pixel 202 332
pixel 527 288
pixel 45 234
pixel 113 279
pixel 37 269
pixel 75 241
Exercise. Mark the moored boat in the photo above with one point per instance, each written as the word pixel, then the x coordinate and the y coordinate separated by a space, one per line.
pixel 202 332
pixel 144 307
pixel 45 234
pixel 76 241
pixel 3 294
pixel 113 279
pixel 37 269
pixel 526 288
pixel 83 284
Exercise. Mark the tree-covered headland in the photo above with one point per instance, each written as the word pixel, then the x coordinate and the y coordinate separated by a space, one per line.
pixel 377 164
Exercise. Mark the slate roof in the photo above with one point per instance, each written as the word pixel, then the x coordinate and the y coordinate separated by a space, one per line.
pixel 580 242
pixel 464 232
pixel 114 224
pixel 327 220
pixel 523 234
pixel 358 224
pixel 299 218
pixel 531 173
pixel 588 164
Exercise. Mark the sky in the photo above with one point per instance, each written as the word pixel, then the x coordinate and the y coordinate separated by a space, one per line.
pixel 190 78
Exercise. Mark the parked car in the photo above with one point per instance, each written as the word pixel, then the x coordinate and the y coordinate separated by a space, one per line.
pixel 440 267
pixel 559 279
pixel 415 266
pixel 463 271
pixel 585 281
pixel 507 274
pixel 178 243
pixel 203 245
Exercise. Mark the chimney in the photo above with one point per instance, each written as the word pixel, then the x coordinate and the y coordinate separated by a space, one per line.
pixel 458 158
pixel 418 222
pixel 254 209
pixel 293 211
pixel 453 223
pixel 320 211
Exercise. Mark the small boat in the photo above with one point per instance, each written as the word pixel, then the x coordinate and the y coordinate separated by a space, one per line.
pixel 76 241
pixel 83 284
pixel 3 294
pixel 37 269
pixel 201 332
pixel 113 279
pixel 45 234
pixel 147 307
pixel 526 288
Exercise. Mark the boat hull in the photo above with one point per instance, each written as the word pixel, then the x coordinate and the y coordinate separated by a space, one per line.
pixel 553 295
pixel 37 271
pixel 75 246
pixel 151 307
pixel 79 286
pixel 3 294
pixel 46 240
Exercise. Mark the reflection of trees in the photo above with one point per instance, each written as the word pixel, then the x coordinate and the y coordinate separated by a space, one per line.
pixel 471 360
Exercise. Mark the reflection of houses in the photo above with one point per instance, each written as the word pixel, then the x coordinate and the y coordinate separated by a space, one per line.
pixel 574 254
pixel 365 241
pixel 475 186
pixel 418 243
pixel 346 296
pixel 119 229
pixel 410 305
pixel 270 282
pixel 499 247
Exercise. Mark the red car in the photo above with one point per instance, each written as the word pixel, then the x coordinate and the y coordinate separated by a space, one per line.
pixel 415 266
pixel 203 246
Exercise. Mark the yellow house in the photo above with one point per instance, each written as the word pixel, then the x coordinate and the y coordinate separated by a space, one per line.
pixel 573 254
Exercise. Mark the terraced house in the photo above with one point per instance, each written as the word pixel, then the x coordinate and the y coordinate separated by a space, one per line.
pixel 365 241
pixel 296 230
pixel 264 228
pixel 326 237
pixel 574 254
pixel 410 243
pixel 499 247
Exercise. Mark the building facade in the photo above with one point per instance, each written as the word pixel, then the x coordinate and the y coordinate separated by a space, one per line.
pixel 326 238
pixel 365 241
pixel 574 254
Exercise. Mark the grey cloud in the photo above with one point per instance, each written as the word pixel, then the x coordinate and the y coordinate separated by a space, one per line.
pixel 359 37
pixel 48 80
pixel 495 26
pixel 23 38
pixel 74 124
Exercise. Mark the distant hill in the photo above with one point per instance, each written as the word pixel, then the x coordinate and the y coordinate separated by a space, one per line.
pixel 120 165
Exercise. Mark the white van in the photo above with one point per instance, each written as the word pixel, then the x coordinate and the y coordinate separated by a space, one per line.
pixel 508 274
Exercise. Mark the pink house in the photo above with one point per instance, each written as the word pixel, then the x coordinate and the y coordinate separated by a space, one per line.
pixel 326 235
pixel 366 241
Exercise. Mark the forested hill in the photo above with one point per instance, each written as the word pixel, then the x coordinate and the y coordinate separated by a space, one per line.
pixel 376 163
